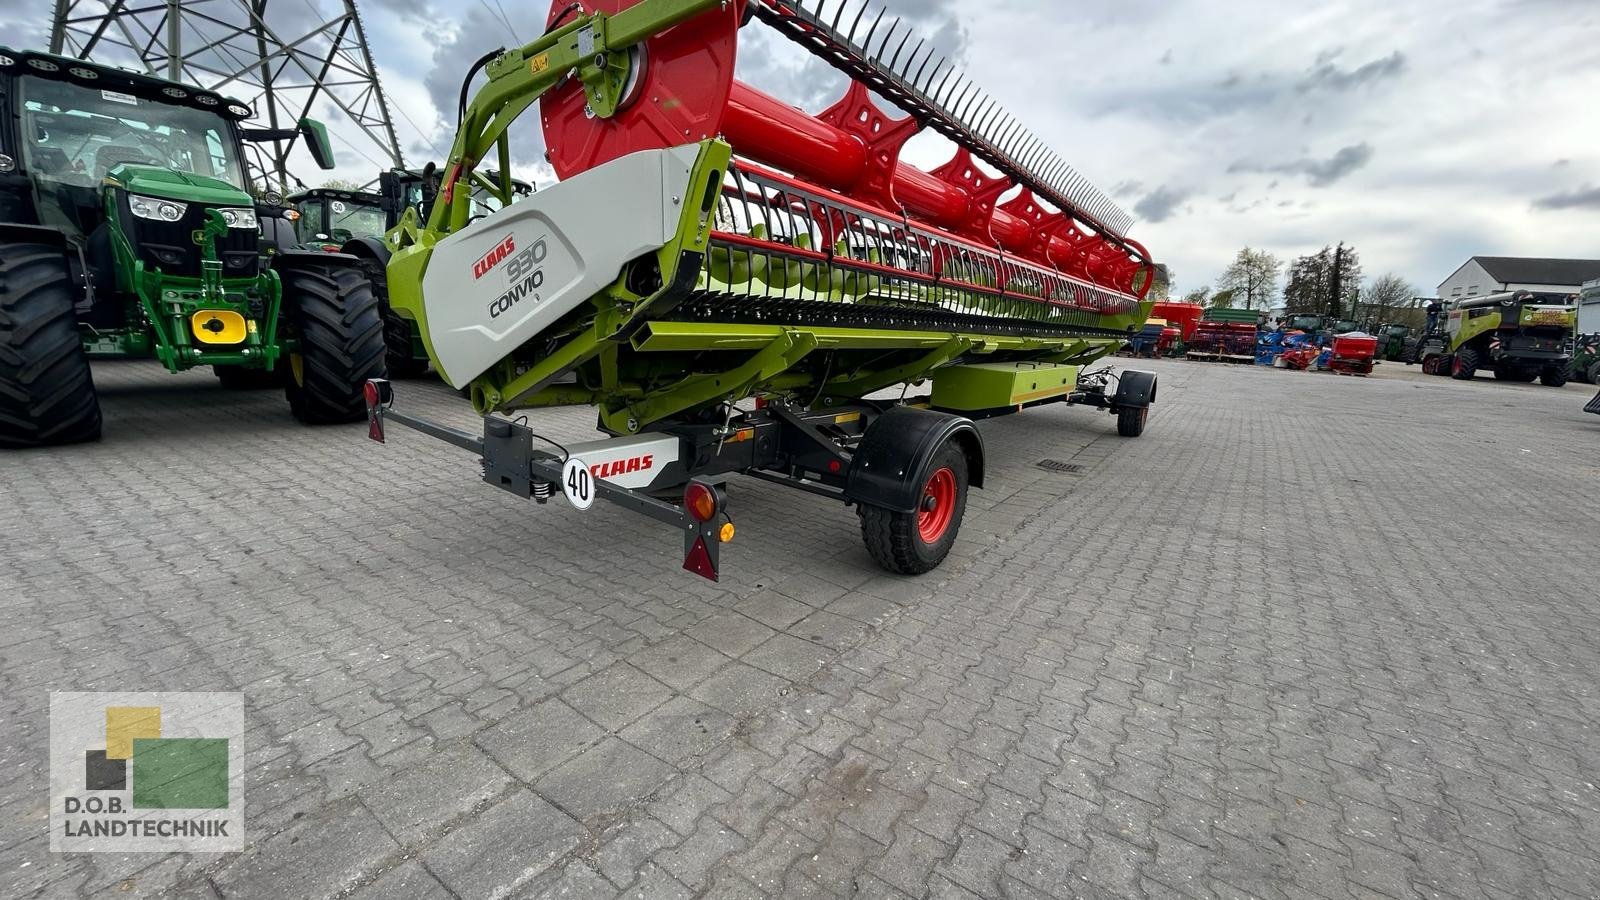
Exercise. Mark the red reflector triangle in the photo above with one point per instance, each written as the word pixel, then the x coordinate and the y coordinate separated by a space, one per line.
pixel 375 425
pixel 699 560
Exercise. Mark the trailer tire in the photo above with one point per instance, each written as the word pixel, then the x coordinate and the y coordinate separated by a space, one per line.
pixel 1130 421
pixel 1465 365
pixel 1553 376
pixel 47 395
pixel 340 330
pixel 912 543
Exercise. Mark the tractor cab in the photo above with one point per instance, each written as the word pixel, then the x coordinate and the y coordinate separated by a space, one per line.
pixel 331 217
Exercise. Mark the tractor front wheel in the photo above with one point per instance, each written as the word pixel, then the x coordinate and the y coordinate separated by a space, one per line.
pixel 46 393
pixel 396 330
pixel 1553 376
pixel 1465 365
pixel 340 331
pixel 911 543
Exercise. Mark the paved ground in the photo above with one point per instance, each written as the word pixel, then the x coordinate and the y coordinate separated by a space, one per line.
pixel 1310 637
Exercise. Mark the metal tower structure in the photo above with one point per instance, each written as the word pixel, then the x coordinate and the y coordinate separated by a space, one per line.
pixel 284 59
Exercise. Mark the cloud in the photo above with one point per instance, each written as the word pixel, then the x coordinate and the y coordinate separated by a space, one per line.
pixel 1586 197
pixel 1326 75
pixel 1160 204
pixel 1321 172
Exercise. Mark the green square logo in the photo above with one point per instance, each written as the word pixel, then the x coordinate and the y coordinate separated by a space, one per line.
pixel 180 773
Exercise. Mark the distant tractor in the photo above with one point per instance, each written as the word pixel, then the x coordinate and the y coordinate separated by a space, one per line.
pixel 1515 335
pixel 1393 341
pixel 128 230
pixel 357 223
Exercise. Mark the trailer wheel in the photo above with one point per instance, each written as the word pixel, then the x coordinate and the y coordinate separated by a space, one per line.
pixel 911 543
pixel 340 330
pixel 46 393
pixel 1553 376
pixel 1130 420
pixel 1465 365
pixel 239 378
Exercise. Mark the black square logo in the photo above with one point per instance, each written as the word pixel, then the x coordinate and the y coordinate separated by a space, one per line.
pixel 101 774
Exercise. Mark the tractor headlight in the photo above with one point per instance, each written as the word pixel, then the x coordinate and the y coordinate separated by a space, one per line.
pixel 155 208
pixel 239 217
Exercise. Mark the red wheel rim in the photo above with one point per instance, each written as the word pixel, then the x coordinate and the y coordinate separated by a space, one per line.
pixel 938 506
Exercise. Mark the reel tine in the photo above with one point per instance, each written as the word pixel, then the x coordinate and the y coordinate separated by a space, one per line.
pixel 870 32
pixel 916 80
pixel 850 39
pixel 838 14
pixel 940 89
pixel 894 63
pixel 883 45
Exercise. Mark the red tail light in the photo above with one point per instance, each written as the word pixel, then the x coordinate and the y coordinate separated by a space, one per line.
pixel 700 499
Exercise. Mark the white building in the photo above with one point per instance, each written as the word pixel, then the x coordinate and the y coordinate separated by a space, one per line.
pixel 1482 275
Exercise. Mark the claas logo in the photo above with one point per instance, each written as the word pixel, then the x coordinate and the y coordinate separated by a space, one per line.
pixel 622 466
pixel 489 260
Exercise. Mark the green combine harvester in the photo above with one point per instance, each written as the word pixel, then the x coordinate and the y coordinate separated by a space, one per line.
pixel 708 244
pixel 1515 335
pixel 127 230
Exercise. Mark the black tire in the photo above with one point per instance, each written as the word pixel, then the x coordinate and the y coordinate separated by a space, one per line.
pixel 1466 363
pixel 1553 376
pixel 895 539
pixel 338 324
pixel 396 330
pixel 239 378
pixel 1594 372
pixel 47 395
pixel 1130 421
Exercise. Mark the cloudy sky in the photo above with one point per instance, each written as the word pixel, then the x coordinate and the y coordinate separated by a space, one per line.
pixel 1420 131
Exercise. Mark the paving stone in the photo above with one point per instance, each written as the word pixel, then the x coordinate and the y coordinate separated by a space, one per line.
pixel 679 729
pixel 503 847
pixel 424 798
pixel 603 779
pixel 1253 673
pixel 617 696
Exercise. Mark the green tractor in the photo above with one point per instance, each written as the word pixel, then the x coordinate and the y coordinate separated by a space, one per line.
pixel 128 230
pixel 358 223
pixel 1393 341
pixel 1515 335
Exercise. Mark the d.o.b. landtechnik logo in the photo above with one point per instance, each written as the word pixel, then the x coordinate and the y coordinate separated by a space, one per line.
pixel 158 772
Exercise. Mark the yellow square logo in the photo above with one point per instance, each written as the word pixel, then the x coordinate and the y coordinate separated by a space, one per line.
pixel 124 724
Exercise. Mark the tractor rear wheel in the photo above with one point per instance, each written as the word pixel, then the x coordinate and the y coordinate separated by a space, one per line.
pixel 46 393
pixel 1130 420
pixel 1553 376
pixel 1465 365
pixel 911 543
pixel 340 330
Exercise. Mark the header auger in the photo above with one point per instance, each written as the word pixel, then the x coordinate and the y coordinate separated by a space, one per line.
pixel 708 243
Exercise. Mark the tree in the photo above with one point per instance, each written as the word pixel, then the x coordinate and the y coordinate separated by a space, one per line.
pixel 341 184
pixel 1252 277
pixel 1198 295
pixel 1161 287
pixel 1390 299
pixel 1310 285
pixel 1223 299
